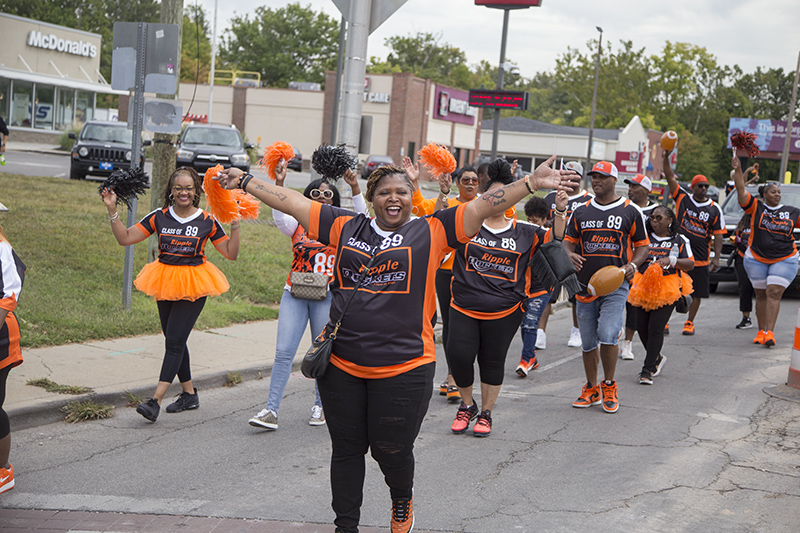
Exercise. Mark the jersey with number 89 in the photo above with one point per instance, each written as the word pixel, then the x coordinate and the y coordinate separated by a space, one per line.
pixel 182 241
pixel 311 255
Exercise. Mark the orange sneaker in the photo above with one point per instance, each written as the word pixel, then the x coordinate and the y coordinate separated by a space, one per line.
pixel 759 337
pixel 524 367
pixel 688 328
pixel 769 339
pixel 7 478
pixel 463 417
pixel 453 395
pixel 589 396
pixel 402 515
pixel 666 329
pixel 483 424
pixel 610 401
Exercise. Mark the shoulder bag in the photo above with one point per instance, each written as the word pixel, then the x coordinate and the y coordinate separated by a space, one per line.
pixel 309 285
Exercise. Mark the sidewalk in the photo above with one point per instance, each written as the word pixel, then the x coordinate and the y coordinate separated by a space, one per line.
pixel 12 146
pixel 112 367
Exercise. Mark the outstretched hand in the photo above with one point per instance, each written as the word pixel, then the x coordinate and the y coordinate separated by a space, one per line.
pixel 412 170
pixel 546 177
pixel 445 183
pixel 109 198
pixel 229 177
pixel 562 199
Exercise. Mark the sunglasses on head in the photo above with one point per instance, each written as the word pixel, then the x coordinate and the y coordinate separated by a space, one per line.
pixel 316 194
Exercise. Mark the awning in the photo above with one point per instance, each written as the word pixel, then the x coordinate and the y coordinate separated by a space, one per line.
pixel 70 83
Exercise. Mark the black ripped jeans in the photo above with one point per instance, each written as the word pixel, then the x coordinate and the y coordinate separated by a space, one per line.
pixel 380 415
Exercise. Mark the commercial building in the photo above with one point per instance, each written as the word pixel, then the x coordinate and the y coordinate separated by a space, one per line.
pixel 49 77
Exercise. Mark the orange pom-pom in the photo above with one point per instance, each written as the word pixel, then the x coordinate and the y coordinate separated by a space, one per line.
pixel 668 140
pixel 653 289
pixel 606 280
pixel 249 205
pixel 274 154
pixel 220 202
pixel 437 159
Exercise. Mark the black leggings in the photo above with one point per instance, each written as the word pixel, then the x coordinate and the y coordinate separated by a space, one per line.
pixel 5 427
pixel 745 287
pixel 380 415
pixel 177 320
pixel 443 279
pixel 488 340
pixel 650 325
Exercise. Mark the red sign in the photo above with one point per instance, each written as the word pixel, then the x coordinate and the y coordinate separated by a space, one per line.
pixel 453 105
pixel 629 162
pixel 504 3
pixel 501 99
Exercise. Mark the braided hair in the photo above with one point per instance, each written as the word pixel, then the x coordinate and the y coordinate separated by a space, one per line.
pixel 198 185
pixel 378 174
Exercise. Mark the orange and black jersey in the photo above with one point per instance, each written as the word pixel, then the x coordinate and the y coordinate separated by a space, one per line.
pixel 648 209
pixel 741 240
pixel 310 255
pixel 182 241
pixel 662 246
pixel 771 230
pixel 491 274
pixel 12 276
pixel 605 235
pixel 698 222
pixel 387 329
pixel 580 198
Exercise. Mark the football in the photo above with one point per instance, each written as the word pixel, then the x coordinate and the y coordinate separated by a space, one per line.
pixel 668 140
pixel 606 280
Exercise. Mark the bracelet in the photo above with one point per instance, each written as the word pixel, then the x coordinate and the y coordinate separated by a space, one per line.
pixel 244 179
pixel 237 226
pixel 560 214
pixel 113 218
pixel 633 265
pixel 528 184
pixel 444 195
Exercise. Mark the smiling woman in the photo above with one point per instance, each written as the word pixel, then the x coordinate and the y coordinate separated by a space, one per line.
pixel 382 363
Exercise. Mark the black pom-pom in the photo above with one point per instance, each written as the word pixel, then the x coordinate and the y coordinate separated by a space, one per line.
pixel 500 170
pixel 126 184
pixel 331 162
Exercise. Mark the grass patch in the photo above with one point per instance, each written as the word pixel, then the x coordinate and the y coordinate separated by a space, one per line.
pixel 88 410
pixel 133 400
pixel 73 286
pixel 51 386
pixel 234 378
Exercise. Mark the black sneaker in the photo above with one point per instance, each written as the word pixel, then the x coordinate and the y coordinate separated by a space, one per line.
pixel 746 323
pixel 645 378
pixel 184 402
pixel 149 409
pixel 660 364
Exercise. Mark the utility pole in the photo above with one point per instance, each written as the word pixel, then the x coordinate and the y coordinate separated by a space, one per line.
pixel 588 166
pixel 789 124
pixel 355 70
pixel 500 75
pixel 164 150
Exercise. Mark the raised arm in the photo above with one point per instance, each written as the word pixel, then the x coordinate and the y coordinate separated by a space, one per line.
pixel 673 182
pixel 560 216
pixel 412 171
pixel 125 236
pixel 738 180
pixel 285 200
pixel 498 200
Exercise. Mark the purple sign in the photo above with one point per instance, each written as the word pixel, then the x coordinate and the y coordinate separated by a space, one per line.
pixel 453 105
pixel 770 134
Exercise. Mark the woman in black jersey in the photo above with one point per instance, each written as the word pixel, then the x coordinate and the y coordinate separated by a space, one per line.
pixel 771 257
pixel 377 386
pixel 180 279
pixel 673 254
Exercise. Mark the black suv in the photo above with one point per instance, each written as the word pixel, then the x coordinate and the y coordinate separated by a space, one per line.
pixel 100 148
pixel 790 195
pixel 203 146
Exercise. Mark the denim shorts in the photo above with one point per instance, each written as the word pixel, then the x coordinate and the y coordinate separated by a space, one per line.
pixel 600 320
pixel 762 274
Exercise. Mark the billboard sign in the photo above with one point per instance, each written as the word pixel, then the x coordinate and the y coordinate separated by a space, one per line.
pixel 629 162
pixel 770 134
pixel 453 105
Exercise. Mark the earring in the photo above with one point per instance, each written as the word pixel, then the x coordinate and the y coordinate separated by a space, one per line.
pixel 171 198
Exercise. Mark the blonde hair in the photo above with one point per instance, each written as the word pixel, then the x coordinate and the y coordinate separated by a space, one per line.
pixel 378 174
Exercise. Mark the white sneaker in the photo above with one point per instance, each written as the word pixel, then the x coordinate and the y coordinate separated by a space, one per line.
pixel 265 419
pixel 541 339
pixel 317 416
pixel 627 351
pixel 574 338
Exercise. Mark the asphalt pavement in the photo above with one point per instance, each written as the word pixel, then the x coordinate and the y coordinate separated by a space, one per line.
pixel 712 445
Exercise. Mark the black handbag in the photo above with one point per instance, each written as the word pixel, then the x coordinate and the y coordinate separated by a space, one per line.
pixel 684 302
pixel 554 268
pixel 317 358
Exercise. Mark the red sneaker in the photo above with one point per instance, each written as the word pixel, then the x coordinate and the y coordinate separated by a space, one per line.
pixel 483 425
pixel 463 418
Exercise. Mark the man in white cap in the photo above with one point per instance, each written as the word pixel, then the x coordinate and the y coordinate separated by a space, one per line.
pixel 639 188
pixel 602 232
pixel 580 197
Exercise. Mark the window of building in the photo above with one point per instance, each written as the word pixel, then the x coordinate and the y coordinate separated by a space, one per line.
pixel 5 98
pixel 21 101
pixel 44 107
pixel 84 106
pixel 65 108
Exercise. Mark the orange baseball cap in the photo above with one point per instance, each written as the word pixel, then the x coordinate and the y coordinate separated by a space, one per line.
pixel 605 168
pixel 699 179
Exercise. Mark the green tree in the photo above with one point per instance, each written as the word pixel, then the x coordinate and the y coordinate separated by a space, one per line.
pixel 195 46
pixel 291 43
pixel 425 56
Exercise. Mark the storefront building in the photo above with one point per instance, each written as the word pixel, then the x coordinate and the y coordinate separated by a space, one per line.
pixel 49 77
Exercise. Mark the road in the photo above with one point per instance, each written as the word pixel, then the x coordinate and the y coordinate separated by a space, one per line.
pixel 703 449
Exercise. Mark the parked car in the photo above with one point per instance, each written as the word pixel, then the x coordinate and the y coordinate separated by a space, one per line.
pixel 374 161
pixel 100 148
pixel 296 163
pixel 790 195
pixel 203 146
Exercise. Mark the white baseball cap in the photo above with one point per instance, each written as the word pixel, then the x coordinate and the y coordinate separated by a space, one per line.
pixel 642 180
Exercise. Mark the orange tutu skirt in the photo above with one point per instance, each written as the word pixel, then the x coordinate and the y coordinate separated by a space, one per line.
pixel 653 289
pixel 181 282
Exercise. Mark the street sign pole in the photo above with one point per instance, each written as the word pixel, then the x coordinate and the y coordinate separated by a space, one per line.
pixel 500 76
pixel 136 148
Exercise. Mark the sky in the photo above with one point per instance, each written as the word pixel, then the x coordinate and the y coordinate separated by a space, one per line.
pixel 750 33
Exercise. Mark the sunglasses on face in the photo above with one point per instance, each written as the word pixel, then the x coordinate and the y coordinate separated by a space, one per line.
pixel 469 181
pixel 316 194
pixel 702 185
